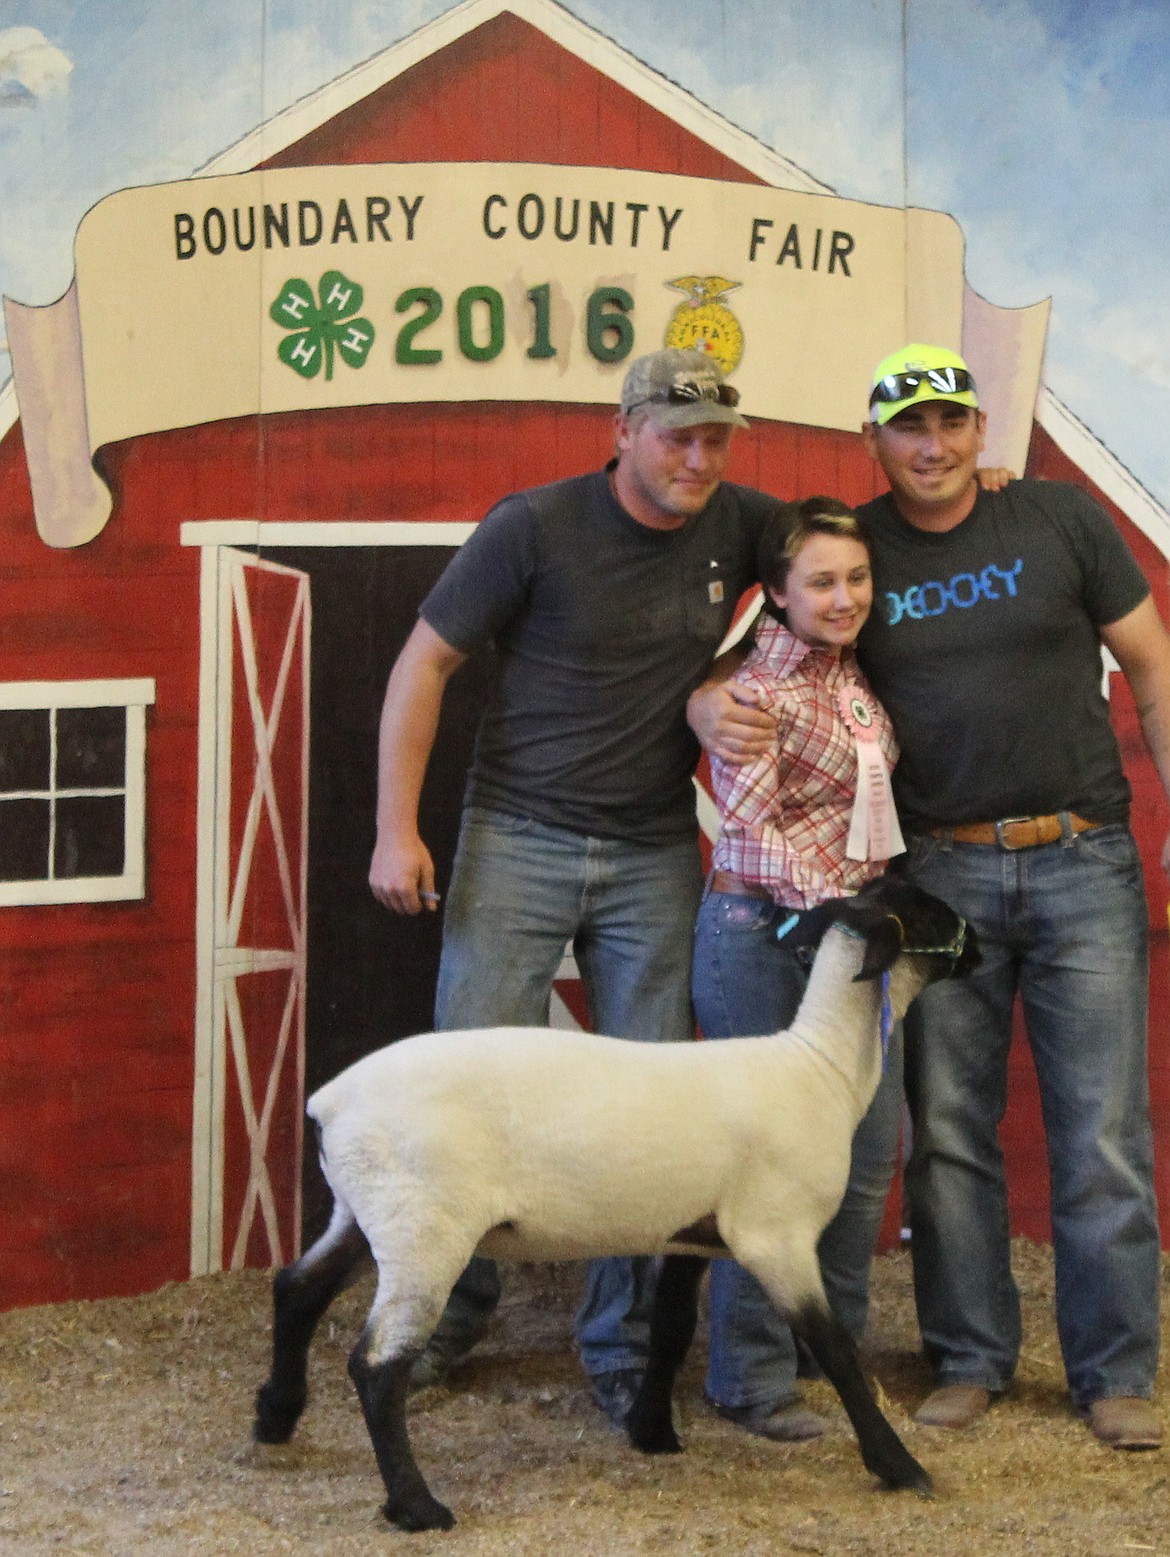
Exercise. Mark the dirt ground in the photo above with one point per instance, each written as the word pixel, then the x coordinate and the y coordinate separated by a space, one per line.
pixel 124 1429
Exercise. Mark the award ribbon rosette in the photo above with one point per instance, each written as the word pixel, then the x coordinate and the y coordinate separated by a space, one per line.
pixel 874 833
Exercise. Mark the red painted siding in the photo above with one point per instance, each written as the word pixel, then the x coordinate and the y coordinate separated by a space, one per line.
pixel 96 1000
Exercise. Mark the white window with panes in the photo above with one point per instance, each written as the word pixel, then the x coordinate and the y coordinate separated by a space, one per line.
pixel 73 790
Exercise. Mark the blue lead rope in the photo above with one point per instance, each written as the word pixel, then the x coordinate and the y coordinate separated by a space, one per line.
pixel 887 1023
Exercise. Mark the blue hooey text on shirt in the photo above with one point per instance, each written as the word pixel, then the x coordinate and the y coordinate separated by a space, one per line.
pixel 964 590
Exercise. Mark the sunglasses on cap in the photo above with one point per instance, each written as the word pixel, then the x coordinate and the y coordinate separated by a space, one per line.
pixel 688 391
pixel 903 386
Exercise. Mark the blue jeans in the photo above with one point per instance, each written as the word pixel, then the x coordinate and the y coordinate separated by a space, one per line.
pixel 520 892
pixel 1063 926
pixel 747 984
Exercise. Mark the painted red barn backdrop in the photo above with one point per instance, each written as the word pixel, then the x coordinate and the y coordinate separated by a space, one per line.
pixel 192 682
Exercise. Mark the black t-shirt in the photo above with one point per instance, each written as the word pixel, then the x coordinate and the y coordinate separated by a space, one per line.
pixel 983 644
pixel 603 627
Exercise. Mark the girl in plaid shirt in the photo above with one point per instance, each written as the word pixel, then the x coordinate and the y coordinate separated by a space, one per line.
pixel 813 819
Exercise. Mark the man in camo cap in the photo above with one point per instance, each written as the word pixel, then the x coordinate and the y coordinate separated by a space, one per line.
pixel 606 597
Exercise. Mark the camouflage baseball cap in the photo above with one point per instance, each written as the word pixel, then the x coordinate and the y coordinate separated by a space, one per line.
pixel 679 388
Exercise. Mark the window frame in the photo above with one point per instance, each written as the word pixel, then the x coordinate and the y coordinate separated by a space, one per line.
pixel 133 696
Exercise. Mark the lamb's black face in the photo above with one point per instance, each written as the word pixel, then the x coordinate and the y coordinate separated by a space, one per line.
pixel 892 915
pixel 924 924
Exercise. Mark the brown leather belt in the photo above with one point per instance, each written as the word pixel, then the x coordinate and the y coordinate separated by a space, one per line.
pixel 724 881
pixel 1015 832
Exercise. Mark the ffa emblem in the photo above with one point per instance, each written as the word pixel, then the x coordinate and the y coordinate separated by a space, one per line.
pixel 705 322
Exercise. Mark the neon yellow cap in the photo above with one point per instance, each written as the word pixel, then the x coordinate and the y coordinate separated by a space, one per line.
pixel 918 373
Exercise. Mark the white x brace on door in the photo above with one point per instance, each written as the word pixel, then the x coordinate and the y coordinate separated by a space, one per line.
pixel 250 1050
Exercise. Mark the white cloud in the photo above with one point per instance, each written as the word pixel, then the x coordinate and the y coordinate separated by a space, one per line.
pixel 30 66
pixel 1133 337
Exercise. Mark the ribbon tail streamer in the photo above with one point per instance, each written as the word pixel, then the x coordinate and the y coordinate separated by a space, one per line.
pixel 874 832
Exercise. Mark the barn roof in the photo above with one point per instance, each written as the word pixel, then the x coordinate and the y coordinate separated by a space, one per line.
pixel 593 48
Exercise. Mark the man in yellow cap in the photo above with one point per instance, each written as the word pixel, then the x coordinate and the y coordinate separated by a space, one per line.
pixel 984 645
pixel 990 610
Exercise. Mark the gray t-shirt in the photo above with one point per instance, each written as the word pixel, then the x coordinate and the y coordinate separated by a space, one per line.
pixel 983 644
pixel 602 628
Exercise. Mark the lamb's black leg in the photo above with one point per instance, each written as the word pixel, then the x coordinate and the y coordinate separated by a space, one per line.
pixel 672 1329
pixel 301 1293
pixel 834 1349
pixel 381 1389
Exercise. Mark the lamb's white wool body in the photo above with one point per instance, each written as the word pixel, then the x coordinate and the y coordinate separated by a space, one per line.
pixel 531 1143
pixel 540 1144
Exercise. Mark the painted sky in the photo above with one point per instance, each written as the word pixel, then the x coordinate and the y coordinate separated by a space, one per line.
pixel 1043 126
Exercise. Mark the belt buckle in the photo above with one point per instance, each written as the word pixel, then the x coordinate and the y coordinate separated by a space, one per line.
pixel 1010 821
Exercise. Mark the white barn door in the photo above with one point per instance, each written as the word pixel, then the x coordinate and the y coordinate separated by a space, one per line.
pixel 250 1064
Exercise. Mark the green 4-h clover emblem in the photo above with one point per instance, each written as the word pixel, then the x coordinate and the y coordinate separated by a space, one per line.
pixel 322 325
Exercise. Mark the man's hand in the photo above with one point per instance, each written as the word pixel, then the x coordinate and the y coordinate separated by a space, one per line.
pixel 993 478
pixel 728 723
pixel 402 877
pixel 402 873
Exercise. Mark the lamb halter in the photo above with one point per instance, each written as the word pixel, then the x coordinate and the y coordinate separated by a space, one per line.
pixel 953 949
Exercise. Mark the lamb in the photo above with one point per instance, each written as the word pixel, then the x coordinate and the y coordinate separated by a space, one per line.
pixel 535 1144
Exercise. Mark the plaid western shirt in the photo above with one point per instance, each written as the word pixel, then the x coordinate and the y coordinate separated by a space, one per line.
pixel 784 819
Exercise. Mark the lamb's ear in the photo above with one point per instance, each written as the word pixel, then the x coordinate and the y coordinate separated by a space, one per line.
pixel 884 939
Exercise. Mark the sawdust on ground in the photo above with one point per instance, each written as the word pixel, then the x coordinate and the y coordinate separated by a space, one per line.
pixel 124 1429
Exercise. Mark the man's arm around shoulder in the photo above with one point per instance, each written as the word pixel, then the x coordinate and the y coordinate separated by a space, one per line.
pixel 725 717
pixel 402 873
